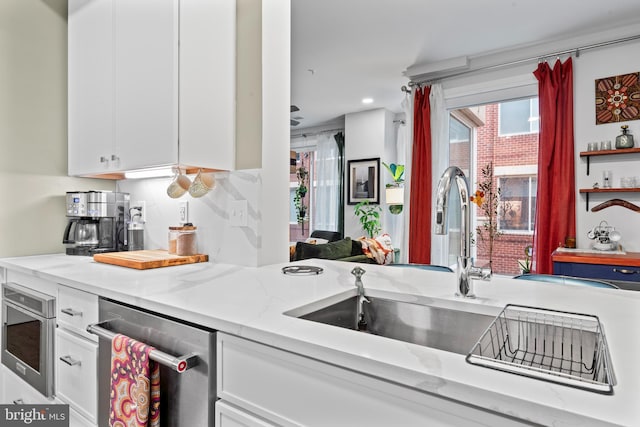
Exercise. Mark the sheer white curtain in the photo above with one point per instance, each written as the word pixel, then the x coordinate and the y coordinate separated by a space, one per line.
pixel 327 185
pixel 405 156
pixel 439 162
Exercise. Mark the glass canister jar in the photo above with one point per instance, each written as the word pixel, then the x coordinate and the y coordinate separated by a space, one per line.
pixel 625 140
pixel 182 240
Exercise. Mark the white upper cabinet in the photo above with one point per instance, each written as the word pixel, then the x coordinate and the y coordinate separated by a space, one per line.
pixel 151 84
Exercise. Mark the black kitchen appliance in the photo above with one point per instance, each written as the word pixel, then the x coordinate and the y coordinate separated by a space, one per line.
pixel 96 222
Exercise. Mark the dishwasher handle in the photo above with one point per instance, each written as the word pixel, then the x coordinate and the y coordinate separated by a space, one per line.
pixel 177 363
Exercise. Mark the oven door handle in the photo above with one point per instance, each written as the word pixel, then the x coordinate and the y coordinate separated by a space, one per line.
pixel 177 363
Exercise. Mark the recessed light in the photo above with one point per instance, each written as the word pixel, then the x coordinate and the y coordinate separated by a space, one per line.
pixel 367 100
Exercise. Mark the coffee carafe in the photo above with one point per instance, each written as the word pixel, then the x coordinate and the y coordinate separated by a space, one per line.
pixel 96 222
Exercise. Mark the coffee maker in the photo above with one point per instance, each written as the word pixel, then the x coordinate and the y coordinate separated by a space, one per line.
pixel 96 222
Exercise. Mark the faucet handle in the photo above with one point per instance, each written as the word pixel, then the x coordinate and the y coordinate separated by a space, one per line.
pixel 358 272
pixel 482 273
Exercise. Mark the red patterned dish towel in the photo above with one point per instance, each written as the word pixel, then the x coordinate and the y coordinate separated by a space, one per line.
pixel 135 385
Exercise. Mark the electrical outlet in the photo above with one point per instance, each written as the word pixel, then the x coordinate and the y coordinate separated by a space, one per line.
pixel 183 212
pixel 143 209
pixel 238 213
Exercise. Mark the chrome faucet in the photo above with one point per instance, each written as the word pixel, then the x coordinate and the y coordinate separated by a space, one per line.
pixel 361 324
pixel 466 271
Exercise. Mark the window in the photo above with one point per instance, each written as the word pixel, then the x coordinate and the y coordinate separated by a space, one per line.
pixel 517 207
pixel 519 117
pixel 476 140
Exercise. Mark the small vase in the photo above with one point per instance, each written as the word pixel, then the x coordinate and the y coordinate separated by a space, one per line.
pixel 625 140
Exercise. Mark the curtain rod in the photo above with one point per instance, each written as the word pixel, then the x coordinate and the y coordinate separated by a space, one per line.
pixel 538 58
pixel 318 132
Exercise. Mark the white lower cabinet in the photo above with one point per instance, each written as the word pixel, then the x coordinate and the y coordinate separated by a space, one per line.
pixel 230 416
pixel 76 373
pixel 288 389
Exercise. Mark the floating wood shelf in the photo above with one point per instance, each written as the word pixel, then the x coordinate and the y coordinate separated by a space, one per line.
pixel 589 154
pixel 587 191
pixel 610 190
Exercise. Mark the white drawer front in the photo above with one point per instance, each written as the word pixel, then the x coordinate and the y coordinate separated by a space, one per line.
pixel 76 373
pixel 76 309
pixel 16 390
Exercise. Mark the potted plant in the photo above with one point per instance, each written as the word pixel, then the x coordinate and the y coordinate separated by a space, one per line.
pixel 394 190
pixel 298 200
pixel 369 217
pixel 525 264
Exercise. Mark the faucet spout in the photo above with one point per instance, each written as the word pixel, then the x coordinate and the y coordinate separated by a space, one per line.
pixel 466 271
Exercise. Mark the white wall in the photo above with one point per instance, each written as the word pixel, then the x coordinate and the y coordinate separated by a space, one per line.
pixel 33 128
pixel 368 134
pixel 592 65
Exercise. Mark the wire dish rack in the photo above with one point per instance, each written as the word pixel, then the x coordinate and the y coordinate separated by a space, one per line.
pixel 561 347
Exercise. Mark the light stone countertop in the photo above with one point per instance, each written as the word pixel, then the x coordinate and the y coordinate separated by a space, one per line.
pixel 250 302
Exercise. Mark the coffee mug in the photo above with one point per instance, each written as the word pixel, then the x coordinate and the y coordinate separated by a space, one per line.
pixel 179 185
pixel 202 184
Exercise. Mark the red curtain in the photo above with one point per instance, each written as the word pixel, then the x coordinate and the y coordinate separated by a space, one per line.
pixel 420 199
pixel 555 210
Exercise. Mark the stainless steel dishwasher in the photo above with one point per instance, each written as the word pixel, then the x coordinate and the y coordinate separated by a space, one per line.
pixel 186 354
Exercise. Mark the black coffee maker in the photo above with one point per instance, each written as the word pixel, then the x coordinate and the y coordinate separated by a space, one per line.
pixel 96 222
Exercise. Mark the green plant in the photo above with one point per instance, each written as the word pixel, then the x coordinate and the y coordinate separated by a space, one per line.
pixel 488 202
pixel 396 171
pixel 369 217
pixel 525 264
pixel 301 191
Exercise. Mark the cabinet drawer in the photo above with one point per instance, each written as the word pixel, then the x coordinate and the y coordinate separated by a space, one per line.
pixel 77 309
pixel 598 271
pixel 16 390
pixel 76 373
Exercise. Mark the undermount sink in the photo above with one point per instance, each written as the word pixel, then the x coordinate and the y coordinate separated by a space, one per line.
pixel 427 325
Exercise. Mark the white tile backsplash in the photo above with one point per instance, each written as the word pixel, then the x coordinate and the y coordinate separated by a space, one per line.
pixel 210 214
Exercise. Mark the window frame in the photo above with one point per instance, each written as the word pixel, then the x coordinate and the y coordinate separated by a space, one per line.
pixel 531 222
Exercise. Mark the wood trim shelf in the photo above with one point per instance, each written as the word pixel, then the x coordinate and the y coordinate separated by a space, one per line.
pixel 607 152
pixel 610 190
pixel 587 191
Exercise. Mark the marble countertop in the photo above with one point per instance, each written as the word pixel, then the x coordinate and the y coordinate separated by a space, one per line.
pixel 250 302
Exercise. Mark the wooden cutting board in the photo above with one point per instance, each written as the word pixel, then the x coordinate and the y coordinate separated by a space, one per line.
pixel 146 259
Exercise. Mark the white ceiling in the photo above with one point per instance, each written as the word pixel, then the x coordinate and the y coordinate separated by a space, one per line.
pixel 346 50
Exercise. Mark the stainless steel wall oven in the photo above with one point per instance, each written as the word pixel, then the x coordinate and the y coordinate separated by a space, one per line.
pixel 28 328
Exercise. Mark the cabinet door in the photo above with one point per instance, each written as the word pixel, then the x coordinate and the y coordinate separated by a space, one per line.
pixel 207 84
pixel 146 72
pixel 91 86
pixel 230 416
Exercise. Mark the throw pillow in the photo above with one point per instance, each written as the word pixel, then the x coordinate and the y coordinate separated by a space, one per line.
pixel 331 250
